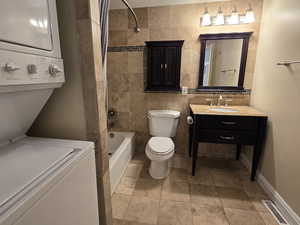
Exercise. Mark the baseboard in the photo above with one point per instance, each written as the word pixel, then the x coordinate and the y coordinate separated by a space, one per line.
pixel 291 217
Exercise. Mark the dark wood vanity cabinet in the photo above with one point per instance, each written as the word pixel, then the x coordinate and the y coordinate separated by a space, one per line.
pixel 227 129
pixel 164 60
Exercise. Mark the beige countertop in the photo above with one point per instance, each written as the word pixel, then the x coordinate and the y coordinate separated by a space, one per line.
pixel 240 110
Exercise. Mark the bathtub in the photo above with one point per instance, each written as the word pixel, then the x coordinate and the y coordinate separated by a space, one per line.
pixel 120 150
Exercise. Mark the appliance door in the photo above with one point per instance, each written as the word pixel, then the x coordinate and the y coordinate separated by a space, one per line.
pixel 29 26
pixel 47 185
pixel 73 200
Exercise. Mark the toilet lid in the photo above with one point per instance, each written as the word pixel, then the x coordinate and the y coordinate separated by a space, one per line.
pixel 161 145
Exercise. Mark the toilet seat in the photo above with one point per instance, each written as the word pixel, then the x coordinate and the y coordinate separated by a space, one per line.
pixel 161 145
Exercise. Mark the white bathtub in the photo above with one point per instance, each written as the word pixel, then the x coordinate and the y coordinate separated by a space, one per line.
pixel 120 149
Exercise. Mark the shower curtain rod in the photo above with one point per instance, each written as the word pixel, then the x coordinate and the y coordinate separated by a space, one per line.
pixel 137 29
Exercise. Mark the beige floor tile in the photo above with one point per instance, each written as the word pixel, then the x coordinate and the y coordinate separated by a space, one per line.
pixel 209 216
pixel 253 189
pixel 234 198
pixel 142 210
pixel 176 191
pixel 243 217
pixel 219 164
pixel 175 213
pixel 148 188
pixel 178 175
pixel 139 157
pixel 145 173
pixel 126 222
pixel 126 186
pixel 117 222
pixel 226 179
pixel 133 170
pixel 179 161
pixel 120 204
pixel 258 205
pixel 203 196
pixel 202 176
pixel 243 174
pixel 268 218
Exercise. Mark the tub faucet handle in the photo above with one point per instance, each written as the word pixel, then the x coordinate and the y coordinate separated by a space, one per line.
pixel 111 113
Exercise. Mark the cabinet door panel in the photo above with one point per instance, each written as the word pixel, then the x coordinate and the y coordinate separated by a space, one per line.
pixel 156 67
pixel 172 67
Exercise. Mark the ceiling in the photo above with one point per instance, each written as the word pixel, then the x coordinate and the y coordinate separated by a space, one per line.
pixel 118 4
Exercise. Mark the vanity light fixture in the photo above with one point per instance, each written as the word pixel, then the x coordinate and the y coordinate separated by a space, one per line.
pixel 206 19
pixel 234 18
pixel 220 17
pixel 249 16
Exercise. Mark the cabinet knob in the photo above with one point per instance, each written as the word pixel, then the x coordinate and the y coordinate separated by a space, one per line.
pixel 189 120
pixel 166 66
pixel 53 70
pixel 32 69
pixel 228 123
pixel 10 67
pixel 227 138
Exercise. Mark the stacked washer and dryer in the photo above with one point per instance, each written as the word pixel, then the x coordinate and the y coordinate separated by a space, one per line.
pixel 42 181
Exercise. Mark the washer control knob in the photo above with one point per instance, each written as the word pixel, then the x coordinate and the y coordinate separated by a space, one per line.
pixel 10 67
pixel 54 70
pixel 32 69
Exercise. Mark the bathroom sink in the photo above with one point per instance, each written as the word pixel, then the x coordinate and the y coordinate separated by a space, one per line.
pixel 223 110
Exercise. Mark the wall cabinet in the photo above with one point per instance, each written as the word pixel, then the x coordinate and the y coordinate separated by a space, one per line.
pixel 164 60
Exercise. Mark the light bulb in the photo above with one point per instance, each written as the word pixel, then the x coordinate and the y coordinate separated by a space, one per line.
pixel 249 17
pixel 206 19
pixel 220 17
pixel 234 18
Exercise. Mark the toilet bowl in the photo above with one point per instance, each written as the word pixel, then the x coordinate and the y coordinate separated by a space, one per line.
pixel 160 148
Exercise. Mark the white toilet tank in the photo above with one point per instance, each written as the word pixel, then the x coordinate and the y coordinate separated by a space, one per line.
pixel 163 123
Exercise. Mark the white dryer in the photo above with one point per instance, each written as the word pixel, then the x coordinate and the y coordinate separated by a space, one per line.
pixel 42 181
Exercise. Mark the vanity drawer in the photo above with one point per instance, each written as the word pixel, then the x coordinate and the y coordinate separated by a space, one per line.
pixel 228 137
pixel 227 122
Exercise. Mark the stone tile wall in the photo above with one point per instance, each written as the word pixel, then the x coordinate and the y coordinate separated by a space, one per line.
pixel 95 94
pixel 127 67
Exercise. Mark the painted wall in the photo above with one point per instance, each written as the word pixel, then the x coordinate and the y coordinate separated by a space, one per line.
pixel 127 68
pixel 64 116
pixel 276 91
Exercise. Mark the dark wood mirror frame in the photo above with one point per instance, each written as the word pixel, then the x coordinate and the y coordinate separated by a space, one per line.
pixel 206 37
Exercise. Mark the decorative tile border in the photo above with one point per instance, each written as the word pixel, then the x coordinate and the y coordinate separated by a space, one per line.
pixel 139 48
pixel 216 91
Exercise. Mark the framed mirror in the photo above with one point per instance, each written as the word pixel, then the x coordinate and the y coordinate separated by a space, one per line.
pixel 223 60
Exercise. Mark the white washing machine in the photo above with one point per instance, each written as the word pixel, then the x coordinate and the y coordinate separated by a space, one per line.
pixel 42 181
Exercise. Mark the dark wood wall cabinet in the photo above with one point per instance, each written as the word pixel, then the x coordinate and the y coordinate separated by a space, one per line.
pixel 164 60
pixel 226 129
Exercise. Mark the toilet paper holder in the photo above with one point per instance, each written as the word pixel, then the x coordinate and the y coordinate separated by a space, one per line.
pixel 189 120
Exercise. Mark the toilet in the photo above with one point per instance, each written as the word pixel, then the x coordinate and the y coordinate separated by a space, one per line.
pixel 160 148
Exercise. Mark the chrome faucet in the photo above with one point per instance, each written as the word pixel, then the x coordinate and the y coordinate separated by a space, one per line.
pixel 220 100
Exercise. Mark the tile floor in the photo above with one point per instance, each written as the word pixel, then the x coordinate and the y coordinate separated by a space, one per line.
pixel 220 194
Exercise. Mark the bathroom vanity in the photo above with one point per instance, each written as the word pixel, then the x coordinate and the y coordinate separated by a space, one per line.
pixel 239 125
